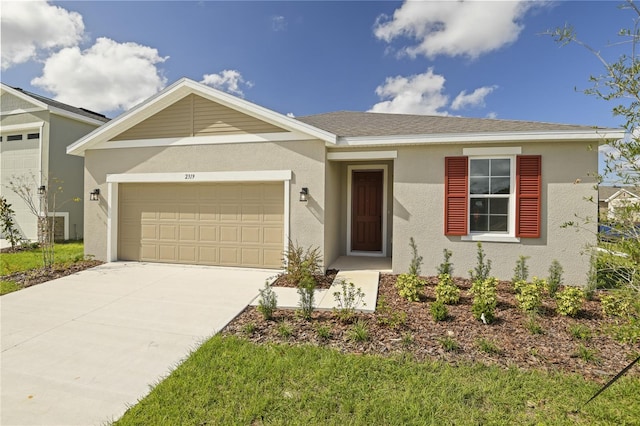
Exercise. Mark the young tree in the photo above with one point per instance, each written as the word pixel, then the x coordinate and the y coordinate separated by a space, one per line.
pixel 7 223
pixel 42 201
pixel 620 85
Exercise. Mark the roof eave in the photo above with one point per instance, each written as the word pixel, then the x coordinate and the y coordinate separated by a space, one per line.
pixel 599 135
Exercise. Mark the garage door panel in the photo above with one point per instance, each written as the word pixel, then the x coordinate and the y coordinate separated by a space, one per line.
pixel 228 224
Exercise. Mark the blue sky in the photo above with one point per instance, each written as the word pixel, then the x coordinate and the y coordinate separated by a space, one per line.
pixel 476 59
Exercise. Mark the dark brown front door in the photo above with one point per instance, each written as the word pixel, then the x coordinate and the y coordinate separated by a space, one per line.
pixel 366 210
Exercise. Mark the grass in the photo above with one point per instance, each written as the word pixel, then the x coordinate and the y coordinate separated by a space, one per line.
pixel 32 259
pixel 232 381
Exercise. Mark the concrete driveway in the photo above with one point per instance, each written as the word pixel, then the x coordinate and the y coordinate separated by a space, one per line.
pixel 79 350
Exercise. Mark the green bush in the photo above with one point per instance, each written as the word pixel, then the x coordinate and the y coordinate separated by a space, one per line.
pixel 416 260
pixel 529 295
pixel 487 346
pixel 306 290
pixel 554 281
pixel 347 301
pixel 448 344
pixel 483 266
pixel 446 267
pixel 359 332
pixel 521 271
pixel 580 331
pixel 446 290
pixel 484 299
pixel 268 301
pixel 299 262
pixel 439 311
pixel 532 325
pixel 409 286
pixel 570 301
pixel 616 304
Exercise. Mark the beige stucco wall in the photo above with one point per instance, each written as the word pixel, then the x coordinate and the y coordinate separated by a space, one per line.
pixel 306 159
pixel 419 213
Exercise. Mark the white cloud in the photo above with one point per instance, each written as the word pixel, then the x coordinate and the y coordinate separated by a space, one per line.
pixel 473 99
pixel 227 80
pixel 106 77
pixel 454 28
pixel 416 94
pixel 492 115
pixel 28 26
pixel 278 23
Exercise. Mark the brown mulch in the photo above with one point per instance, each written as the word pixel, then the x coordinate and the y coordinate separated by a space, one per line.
pixel 322 281
pixel 555 349
pixel 40 275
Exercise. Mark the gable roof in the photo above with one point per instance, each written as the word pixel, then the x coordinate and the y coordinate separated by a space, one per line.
pixel 608 193
pixel 375 127
pixel 56 107
pixel 178 91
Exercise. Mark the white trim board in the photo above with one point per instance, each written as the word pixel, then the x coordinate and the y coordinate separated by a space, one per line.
pixel 362 155
pixel 385 213
pixel 22 127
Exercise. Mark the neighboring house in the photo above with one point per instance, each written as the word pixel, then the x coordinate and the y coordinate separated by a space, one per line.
pixel 611 199
pixel 35 132
pixel 195 175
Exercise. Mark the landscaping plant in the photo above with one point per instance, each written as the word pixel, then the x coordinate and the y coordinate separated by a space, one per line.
pixel 554 281
pixel 446 267
pixel 439 311
pixel 347 301
pixel 298 262
pixel 529 295
pixel 306 290
pixel 446 291
pixel 7 224
pixel 570 301
pixel 410 286
pixel 483 266
pixel 485 299
pixel 387 316
pixel 416 260
pixel 268 301
pixel 521 271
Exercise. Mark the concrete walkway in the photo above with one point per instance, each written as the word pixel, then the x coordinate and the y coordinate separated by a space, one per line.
pixel 363 272
pixel 80 349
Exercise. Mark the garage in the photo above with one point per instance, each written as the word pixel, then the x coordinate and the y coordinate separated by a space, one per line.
pixel 221 224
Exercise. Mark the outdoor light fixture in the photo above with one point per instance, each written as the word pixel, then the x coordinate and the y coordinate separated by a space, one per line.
pixel 304 194
pixel 94 195
pixel 42 189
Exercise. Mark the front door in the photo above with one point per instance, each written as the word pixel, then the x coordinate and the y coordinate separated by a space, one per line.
pixel 366 210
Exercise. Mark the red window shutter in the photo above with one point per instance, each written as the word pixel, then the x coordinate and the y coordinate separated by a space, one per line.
pixel 528 195
pixel 456 194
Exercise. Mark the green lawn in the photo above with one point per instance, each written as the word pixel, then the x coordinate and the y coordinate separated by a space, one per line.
pixel 32 259
pixel 232 381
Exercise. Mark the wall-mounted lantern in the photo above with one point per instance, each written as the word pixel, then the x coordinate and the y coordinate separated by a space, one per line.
pixel 41 190
pixel 304 194
pixel 94 195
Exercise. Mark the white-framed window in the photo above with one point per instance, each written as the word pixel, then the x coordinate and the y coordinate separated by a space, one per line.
pixel 491 195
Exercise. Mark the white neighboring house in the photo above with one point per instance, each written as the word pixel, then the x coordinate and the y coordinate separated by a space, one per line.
pixel 613 199
pixel 34 133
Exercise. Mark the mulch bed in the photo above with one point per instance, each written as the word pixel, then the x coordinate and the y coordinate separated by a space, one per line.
pixel 40 275
pixel 555 349
pixel 322 281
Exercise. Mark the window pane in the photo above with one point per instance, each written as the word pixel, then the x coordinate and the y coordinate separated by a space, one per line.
pixel 478 219
pixel 501 167
pixel 498 223
pixel 479 206
pixel 499 206
pixel 33 135
pixel 479 168
pixel 500 185
pixel 479 223
pixel 14 137
pixel 479 185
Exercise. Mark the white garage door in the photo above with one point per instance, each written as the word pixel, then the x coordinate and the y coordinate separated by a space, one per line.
pixel 226 224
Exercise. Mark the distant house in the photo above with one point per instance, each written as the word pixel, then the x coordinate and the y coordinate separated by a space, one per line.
pixel 34 134
pixel 195 175
pixel 614 198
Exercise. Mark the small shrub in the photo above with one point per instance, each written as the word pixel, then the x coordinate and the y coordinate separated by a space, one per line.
pixel 409 286
pixel 284 329
pixel 533 326
pixel 529 295
pixel 348 300
pixel 416 260
pixel 616 304
pixel 249 328
pixel 324 332
pixel 439 311
pixel 387 316
pixel 448 344
pixel 306 290
pixel 407 340
pixel 627 332
pixel 298 262
pixel 554 281
pixel 268 301
pixel 446 267
pixel 8 228
pixel 483 267
pixel 570 301
pixel 487 346
pixel 484 299
pixel 446 290
pixel 586 354
pixel 358 332
pixel 521 271
pixel 580 331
